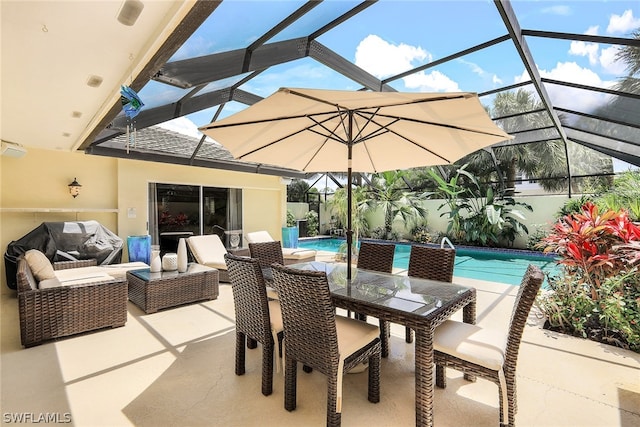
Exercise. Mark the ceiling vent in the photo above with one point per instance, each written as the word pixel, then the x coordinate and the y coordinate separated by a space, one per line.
pixel 12 150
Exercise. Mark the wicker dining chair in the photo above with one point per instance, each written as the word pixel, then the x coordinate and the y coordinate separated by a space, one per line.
pixel 486 353
pixel 322 340
pixel 267 253
pixel 430 263
pixel 257 318
pixel 377 257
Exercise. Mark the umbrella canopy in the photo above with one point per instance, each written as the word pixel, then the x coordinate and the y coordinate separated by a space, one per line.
pixel 315 130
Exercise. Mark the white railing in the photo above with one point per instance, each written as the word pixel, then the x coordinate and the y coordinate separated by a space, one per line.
pixel 447 241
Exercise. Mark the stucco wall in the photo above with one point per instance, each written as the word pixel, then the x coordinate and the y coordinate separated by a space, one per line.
pixel 40 179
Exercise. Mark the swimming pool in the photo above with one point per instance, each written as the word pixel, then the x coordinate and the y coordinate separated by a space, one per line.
pixel 496 265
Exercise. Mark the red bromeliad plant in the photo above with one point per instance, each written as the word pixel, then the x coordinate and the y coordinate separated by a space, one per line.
pixel 587 243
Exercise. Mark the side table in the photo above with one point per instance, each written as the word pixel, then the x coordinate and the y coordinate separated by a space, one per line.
pixel 155 291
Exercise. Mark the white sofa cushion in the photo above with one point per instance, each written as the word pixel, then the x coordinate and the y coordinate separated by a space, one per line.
pixel 82 279
pixel 39 265
pixel 120 270
pixel 208 250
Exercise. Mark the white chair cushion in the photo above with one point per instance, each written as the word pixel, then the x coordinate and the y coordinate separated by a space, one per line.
pixel 259 237
pixel 353 335
pixel 287 253
pixel 482 346
pixel 208 250
pixel 275 314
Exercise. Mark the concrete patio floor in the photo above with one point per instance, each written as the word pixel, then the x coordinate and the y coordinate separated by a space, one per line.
pixel 176 368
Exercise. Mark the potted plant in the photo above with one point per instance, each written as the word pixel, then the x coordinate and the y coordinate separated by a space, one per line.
pixel 290 232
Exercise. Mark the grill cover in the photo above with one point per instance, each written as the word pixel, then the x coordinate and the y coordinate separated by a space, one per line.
pixel 65 241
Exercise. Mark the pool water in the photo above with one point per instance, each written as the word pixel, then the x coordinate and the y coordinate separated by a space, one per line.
pixel 504 266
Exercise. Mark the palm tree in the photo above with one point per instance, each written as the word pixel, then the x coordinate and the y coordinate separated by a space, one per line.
pixel 338 207
pixel 544 159
pixel 388 191
pixel 630 55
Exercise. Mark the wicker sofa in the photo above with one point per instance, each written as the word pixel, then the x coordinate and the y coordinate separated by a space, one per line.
pixel 86 297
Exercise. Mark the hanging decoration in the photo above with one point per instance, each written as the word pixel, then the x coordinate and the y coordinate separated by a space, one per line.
pixel 131 105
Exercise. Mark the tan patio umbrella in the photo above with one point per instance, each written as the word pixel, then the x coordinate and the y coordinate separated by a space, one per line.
pixel 315 130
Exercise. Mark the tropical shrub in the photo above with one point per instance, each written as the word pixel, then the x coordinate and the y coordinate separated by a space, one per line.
pixel 477 215
pixel 623 194
pixel 534 239
pixel 291 219
pixel 312 223
pixel 597 295
pixel 421 233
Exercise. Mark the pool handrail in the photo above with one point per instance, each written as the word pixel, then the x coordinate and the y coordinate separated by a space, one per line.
pixel 447 241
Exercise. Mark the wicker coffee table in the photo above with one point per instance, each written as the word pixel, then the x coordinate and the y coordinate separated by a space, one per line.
pixel 155 291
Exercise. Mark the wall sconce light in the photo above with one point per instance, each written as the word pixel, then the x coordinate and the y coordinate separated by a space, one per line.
pixel 74 188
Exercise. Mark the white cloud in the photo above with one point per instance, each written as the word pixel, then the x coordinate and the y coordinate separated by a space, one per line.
pixel 557 10
pixel 580 100
pixel 590 50
pixel 496 80
pixel 623 24
pixel 182 125
pixel 383 59
pixel 609 63
pixel 434 81
pixel 585 49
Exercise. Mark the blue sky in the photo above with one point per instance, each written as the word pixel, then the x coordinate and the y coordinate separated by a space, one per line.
pixel 394 36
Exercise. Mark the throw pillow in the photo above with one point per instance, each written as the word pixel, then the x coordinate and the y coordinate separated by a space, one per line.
pixel 39 264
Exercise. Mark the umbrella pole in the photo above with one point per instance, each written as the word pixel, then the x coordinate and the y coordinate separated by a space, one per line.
pixel 349 196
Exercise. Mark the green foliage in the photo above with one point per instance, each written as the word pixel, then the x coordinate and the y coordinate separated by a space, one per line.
pixel 297 191
pixel 338 207
pixel 312 223
pixel 624 194
pixel 478 216
pixel 573 206
pixel 598 294
pixel 421 233
pixel 291 220
pixel 389 192
pixel 534 239
pixel 567 305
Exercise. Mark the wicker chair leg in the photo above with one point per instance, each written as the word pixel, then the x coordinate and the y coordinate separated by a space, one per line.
pixel 290 383
pixel 240 354
pixel 251 343
pixel 267 369
pixel 408 335
pixel 512 401
pixel 385 333
pixel 333 418
pixel 503 422
pixel 374 379
pixel 441 376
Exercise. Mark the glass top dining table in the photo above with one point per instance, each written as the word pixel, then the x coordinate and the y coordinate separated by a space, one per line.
pixel 417 303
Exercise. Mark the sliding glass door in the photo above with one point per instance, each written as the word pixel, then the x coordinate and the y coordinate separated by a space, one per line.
pixel 182 210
